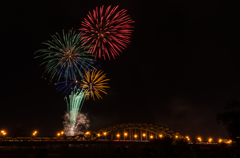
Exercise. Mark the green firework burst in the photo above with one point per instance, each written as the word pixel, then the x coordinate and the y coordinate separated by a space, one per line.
pixel 65 56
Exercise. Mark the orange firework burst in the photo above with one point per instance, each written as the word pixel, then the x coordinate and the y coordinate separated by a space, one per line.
pixel 94 82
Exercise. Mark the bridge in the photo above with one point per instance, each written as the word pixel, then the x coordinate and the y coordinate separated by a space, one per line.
pixel 134 131
pixel 128 131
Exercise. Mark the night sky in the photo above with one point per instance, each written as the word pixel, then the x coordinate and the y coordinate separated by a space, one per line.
pixel 179 71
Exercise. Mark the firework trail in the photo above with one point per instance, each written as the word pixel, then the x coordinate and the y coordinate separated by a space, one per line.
pixel 108 32
pixel 74 105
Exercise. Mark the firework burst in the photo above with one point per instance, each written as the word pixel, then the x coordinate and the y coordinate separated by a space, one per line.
pixel 74 104
pixel 66 86
pixel 93 83
pixel 108 32
pixel 80 125
pixel 65 56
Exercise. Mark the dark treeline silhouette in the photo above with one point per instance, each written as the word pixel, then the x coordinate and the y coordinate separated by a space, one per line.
pixel 230 118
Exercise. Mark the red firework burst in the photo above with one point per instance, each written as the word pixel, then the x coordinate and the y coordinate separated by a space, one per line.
pixel 107 33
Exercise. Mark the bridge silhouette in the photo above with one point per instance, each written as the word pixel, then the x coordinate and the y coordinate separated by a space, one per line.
pixel 126 131
pixel 134 131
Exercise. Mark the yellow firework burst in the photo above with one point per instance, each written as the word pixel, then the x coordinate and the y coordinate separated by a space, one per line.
pixel 94 83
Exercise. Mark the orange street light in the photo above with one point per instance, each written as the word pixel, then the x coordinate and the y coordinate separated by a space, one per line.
pixel 125 135
pixel 160 135
pixel 2 131
pixel 135 136
pixel 199 139
pixel 34 133
pixel 210 140
pixel 144 135
pixel 118 135
pixel 105 134
pixel 58 134
pixel 98 134
pixel 151 136
pixel 87 133
pixel 219 140
pixel 62 132
pixel 176 136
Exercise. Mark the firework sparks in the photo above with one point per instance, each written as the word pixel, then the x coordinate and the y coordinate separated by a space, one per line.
pixel 65 56
pixel 66 86
pixel 109 33
pixel 81 124
pixel 94 82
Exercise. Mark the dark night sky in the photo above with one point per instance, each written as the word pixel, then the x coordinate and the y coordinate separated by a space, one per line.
pixel 180 69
